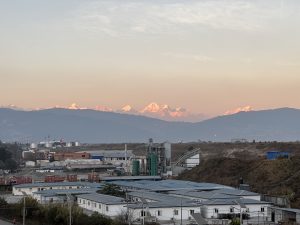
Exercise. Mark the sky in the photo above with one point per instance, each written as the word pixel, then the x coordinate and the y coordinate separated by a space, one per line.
pixel 208 56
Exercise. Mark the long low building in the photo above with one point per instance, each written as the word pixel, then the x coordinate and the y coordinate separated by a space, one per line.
pixel 31 188
pixel 60 196
pixel 104 204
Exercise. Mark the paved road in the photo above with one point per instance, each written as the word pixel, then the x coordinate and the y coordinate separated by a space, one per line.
pixel 5 223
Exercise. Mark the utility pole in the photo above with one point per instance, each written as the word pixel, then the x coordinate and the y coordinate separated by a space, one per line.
pixel 24 206
pixel 241 215
pixel 128 217
pixel 126 172
pixel 70 208
pixel 24 209
pixel 181 212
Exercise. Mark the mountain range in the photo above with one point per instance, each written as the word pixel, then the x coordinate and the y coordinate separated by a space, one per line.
pixel 153 110
pixel 92 126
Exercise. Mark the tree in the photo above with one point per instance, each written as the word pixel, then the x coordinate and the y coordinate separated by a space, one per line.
pixel 235 221
pixel 11 164
pixel 3 202
pixel 97 219
pixel 112 189
pixel 31 206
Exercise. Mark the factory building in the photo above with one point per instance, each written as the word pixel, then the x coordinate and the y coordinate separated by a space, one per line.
pixel 61 156
pixel 158 159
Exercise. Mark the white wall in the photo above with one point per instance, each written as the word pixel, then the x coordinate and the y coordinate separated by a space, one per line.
pixel 29 191
pixel 46 200
pixel 253 210
pixel 193 161
pixel 167 214
pixel 104 209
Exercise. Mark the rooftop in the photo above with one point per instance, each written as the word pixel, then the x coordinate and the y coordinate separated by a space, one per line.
pixel 101 198
pixel 111 153
pixel 58 184
pixel 234 202
pixel 168 185
pixel 57 192
pixel 128 178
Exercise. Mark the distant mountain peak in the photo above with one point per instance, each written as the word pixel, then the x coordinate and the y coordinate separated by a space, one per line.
pixel 247 108
pixel 126 108
pixel 153 107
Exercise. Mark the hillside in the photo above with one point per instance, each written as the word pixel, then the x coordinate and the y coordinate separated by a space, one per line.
pixel 277 177
pixel 92 126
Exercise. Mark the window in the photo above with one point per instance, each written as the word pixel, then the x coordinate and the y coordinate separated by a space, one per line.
pixel 89 203
pixel 79 200
pixel 99 206
pixel 107 208
pixel 94 205
pixel 175 212
pixel 231 209
pixel 262 209
pixel 83 201
pixel 216 210
pixel 143 213
pixel 192 211
pixel 159 213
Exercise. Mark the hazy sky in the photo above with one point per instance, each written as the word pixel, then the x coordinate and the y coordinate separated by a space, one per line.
pixel 205 55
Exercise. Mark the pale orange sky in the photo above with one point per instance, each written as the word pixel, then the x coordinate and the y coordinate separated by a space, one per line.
pixel 207 56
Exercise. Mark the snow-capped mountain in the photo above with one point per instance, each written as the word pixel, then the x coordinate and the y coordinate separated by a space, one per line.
pixel 127 109
pixel 166 112
pixel 153 110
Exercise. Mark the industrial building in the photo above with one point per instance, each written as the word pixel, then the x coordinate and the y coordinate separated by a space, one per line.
pixel 158 159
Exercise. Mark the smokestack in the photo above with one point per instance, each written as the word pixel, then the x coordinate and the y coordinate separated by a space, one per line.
pixel 126 158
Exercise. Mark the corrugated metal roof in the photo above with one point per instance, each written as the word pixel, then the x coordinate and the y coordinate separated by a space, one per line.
pixel 287 209
pixel 126 178
pixel 233 202
pixel 236 192
pixel 203 194
pixel 57 184
pixel 101 198
pixel 168 185
pixel 111 153
pixel 57 192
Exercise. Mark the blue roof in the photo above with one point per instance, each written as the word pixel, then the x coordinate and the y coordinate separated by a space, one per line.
pixel 245 201
pixel 168 185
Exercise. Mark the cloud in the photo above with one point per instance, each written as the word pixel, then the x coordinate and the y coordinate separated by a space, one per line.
pixel 126 18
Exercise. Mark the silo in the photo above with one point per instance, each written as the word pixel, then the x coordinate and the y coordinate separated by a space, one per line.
pixel 153 164
pixel 135 168
pixel 168 151
pixel 33 146
pixel 48 145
